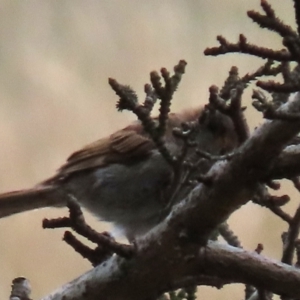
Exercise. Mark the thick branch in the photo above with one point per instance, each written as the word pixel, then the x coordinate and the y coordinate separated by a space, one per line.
pixel 232 264
pixel 249 267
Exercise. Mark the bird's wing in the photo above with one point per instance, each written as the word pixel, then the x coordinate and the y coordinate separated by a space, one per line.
pixel 120 147
pixel 117 148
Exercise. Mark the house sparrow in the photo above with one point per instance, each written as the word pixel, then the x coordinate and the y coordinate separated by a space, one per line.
pixel 122 178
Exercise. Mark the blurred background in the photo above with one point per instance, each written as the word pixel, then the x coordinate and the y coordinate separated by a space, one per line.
pixel 55 58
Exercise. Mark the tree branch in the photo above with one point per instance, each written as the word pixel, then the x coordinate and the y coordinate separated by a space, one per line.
pixel 242 266
pixel 233 265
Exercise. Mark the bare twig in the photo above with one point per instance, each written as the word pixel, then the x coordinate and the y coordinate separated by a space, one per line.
pixel 242 46
pixel 106 244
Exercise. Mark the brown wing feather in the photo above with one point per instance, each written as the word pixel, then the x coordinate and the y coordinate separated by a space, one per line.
pixel 118 147
pixel 122 145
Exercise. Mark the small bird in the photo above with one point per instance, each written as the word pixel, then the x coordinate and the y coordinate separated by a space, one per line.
pixel 122 178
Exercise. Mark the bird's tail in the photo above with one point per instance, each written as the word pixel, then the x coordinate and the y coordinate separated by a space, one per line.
pixel 38 197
